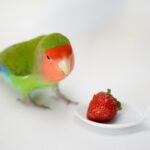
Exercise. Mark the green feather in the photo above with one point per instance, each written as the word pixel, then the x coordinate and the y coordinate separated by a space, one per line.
pixel 19 58
pixel 29 83
pixel 51 41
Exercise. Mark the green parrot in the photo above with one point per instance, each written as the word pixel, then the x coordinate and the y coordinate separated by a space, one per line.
pixel 38 63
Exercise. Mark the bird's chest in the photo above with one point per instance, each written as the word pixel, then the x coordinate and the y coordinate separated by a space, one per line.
pixel 26 84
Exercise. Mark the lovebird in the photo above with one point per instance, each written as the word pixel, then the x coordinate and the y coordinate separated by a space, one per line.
pixel 38 63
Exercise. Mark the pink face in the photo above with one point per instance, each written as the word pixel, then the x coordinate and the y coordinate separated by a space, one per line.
pixel 57 63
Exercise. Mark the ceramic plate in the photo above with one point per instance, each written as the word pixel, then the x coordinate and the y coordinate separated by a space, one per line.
pixel 129 116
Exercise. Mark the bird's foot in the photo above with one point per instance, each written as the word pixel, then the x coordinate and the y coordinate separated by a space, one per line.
pixel 64 98
pixel 24 100
pixel 37 102
pixel 45 106
pixel 40 103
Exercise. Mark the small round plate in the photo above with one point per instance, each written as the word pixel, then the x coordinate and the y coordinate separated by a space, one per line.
pixel 129 116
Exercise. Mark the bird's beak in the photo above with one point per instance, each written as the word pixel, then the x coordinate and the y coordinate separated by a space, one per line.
pixel 64 65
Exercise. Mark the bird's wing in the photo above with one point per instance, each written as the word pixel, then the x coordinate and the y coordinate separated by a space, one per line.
pixel 19 58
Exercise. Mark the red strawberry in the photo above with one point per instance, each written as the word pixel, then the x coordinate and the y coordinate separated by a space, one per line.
pixel 103 107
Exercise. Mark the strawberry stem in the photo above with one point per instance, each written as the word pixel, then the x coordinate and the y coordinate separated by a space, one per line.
pixel 109 91
pixel 118 103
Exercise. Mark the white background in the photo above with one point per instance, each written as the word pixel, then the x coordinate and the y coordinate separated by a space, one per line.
pixel 111 45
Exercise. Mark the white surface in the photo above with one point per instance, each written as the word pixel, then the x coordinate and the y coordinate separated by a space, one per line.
pixel 111 44
pixel 129 116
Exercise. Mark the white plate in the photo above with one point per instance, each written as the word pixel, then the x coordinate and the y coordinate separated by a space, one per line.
pixel 129 116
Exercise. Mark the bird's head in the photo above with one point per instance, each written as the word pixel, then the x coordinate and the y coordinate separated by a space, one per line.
pixel 56 57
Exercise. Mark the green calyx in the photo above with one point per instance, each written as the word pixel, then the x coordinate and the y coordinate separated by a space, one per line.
pixel 118 102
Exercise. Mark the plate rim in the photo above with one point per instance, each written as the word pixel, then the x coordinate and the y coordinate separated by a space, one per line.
pixel 106 126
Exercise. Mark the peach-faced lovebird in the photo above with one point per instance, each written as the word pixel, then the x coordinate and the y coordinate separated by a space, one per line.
pixel 38 63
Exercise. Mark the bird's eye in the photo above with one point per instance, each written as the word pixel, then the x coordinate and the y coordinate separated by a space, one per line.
pixel 48 57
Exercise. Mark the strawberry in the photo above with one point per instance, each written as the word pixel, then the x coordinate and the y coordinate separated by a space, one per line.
pixel 103 107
